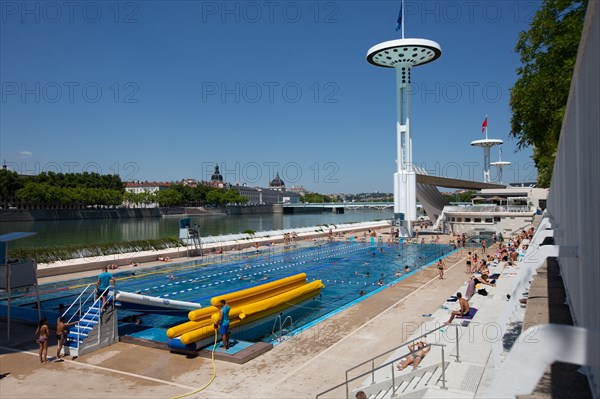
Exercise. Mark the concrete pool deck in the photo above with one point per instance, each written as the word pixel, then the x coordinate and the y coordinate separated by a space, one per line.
pixel 302 366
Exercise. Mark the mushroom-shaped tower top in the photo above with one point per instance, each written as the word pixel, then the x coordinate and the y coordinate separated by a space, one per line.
pixel 486 142
pixel 413 51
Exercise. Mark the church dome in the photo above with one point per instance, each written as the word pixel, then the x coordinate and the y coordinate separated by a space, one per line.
pixel 277 182
pixel 216 177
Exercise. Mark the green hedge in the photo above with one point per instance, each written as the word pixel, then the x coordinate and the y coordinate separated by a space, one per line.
pixel 64 252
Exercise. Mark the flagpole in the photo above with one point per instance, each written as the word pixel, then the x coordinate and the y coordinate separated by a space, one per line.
pixel 403 18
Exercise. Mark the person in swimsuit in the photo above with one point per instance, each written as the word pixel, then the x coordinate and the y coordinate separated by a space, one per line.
pixel 61 334
pixel 464 308
pixel 469 260
pixel 440 266
pixel 41 337
pixel 419 350
pixel 223 323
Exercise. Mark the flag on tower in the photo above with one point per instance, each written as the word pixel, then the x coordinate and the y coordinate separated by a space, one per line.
pixel 399 21
pixel 484 125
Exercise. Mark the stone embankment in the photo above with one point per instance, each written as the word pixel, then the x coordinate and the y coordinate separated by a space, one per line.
pixel 29 215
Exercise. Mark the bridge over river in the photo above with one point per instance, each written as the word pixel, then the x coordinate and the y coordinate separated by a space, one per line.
pixel 335 207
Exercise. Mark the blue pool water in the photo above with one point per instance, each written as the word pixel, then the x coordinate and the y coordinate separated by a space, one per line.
pixel 346 269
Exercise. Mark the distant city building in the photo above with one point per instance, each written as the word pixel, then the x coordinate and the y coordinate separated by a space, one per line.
pixel 277 183
pixel 266 196
pixel 216 180
pixel 298 190
pixel 275 194
pixel 145 187
pixel 190 182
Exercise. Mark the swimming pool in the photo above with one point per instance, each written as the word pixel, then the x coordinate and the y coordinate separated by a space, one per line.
pixel 346 269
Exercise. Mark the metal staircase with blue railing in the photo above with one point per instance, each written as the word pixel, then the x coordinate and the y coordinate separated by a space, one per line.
pixel 96 328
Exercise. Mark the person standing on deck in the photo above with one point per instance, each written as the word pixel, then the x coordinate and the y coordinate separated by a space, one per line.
pixel 469 260
pixel 61 334
pixel 41 337
pixel 440 266
pixel 223 323
pixel 105 279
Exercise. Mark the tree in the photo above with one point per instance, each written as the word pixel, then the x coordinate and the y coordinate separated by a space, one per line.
pixel 169 197
pixel 214 196
pixel 315 198
pixel 231 196
pixel 9 184
pixel 464 196
pixel 548 52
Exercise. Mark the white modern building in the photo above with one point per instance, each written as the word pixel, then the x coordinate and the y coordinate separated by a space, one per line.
pixel 495 211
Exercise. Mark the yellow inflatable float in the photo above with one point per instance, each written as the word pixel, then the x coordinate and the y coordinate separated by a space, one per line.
pixel 247 306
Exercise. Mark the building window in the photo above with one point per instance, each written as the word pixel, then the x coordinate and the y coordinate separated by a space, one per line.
pixel 497 219
pixel 477 220
pixel 489 220
pixel 459 219
pixel 467 220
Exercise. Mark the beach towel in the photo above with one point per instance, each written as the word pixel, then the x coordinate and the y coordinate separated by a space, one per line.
pixel 470 316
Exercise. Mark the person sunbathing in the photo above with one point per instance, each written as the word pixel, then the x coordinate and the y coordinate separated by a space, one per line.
pixel 419 349
pixel 484 280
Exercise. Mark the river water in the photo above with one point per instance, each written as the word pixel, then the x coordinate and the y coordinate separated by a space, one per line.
pixel 89 231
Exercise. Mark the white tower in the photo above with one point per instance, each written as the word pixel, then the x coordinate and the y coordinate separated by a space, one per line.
pixel 402 55
pixel 486 144
pixel 500 164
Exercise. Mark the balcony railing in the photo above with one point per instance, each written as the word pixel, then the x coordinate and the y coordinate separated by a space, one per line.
pixel 490 208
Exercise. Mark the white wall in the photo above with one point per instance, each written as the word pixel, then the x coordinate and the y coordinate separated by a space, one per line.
pixel 573 201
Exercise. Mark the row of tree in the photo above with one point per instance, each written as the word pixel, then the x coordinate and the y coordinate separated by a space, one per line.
pixel 181 195
pixel 548 52
pixel 314 198
pixel 11 183
pixel 44 193
pixel 85 189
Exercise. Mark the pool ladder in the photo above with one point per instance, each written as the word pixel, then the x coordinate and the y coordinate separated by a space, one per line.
pixel 278 335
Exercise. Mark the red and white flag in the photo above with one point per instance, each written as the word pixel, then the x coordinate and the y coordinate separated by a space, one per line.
pixel 484 125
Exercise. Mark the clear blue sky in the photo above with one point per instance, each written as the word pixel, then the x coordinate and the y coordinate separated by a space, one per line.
pixel 156 90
